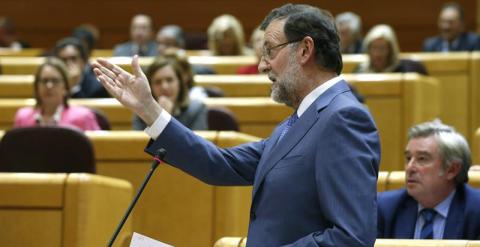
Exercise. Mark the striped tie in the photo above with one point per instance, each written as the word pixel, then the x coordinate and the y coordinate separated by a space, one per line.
pixel 291 120
pixel 428 215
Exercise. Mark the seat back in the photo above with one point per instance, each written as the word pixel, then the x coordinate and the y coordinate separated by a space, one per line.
pixel 46 149
pixel 220 118
pixel 102 119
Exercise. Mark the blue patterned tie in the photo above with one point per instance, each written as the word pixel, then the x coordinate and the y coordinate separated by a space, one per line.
pixel 428 215
pixel 291 120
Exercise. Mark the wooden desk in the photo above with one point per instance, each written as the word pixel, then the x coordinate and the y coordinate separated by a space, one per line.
pixel 242 242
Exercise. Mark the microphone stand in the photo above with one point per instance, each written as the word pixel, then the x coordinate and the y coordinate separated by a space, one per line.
pixel 157 159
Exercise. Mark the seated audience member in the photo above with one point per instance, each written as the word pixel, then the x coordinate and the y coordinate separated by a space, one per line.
pixel 169 89
pixel 83 82
pixel 141 42
pixel 170 36
pixel 383 52
pixel 8 35
pixel 349 26
pixel 226 37
pixel 51 92
pixel 171 39
pixel 256 41
pixel 453 37
pixel 188 72
pixel 88 35
pixel 437 202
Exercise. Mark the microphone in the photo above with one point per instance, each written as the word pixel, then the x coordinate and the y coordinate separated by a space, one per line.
pixel 157 159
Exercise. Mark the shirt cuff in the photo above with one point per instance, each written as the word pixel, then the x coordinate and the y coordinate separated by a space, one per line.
pixel 159 125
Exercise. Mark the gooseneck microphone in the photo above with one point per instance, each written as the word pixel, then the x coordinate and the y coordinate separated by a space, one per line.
pixel 157 159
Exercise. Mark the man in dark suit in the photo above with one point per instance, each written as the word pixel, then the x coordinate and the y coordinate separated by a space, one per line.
pixel 141 42
pixel 452 32
pixel 83 83
pixel 436 203
pixel 314 179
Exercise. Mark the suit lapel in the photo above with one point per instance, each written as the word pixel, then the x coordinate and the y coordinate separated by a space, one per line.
pixel 454 222
pixel 277 151
pixel 406 219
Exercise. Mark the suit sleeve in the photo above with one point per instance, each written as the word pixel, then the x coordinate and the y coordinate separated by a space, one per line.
pixel 346 165
pixel 205 161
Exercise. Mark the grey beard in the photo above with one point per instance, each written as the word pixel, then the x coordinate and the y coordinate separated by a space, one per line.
pixel 285 89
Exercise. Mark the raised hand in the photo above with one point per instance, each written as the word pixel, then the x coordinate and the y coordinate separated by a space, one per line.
pixel 132 90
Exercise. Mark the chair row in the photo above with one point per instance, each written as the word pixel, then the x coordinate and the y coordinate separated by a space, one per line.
pixel 397 101
pixel 242 242
pixel 69 210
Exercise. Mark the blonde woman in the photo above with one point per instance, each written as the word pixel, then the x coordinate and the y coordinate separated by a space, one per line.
pixel 226 37
pixel 381 46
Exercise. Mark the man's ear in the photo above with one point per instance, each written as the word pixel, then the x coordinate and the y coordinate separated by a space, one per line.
pixel 307 49
pixel 453 170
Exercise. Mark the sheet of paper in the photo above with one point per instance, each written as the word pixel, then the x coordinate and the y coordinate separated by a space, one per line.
pixel 138 240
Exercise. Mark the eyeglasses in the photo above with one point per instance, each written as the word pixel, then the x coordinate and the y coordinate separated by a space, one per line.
pixel 267 52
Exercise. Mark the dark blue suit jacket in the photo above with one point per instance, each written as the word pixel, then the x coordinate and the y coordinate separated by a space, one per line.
pixel 316 187
pixel 90 87
pixel 466 42
pixel 397 215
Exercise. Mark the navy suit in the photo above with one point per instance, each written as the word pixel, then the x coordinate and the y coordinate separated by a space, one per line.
pixel 466 42
pixel 397 215
pixel 89 86
pixel 316 187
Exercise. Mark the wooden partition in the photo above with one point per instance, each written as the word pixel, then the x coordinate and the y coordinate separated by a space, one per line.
pixel 475 98
pixel 16 86
pixel 26 52
pixel 173 203
pixel 75 209
pixel 256 116
pixel 397 101
pixel 242 242
pixel 475 148
pixel 220 64
pixel 454 73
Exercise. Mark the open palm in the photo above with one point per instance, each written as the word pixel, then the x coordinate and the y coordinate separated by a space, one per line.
pixel 132 90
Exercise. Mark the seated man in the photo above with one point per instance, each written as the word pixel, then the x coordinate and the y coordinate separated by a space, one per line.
pixel 452 34
pixel 83 83
pixel 170 36
pixel 349 27
pixel 141 39
pixel 436 203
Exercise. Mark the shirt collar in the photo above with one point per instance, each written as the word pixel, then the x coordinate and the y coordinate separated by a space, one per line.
pixel 314 94
pixel 443 207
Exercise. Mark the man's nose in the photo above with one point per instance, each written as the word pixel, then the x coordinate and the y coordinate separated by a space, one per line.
pixel 263 66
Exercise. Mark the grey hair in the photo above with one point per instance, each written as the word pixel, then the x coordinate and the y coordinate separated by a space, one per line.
pixel 352 20
pixel 452 145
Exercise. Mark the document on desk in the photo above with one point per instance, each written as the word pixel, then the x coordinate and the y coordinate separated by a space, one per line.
pixel 138 240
